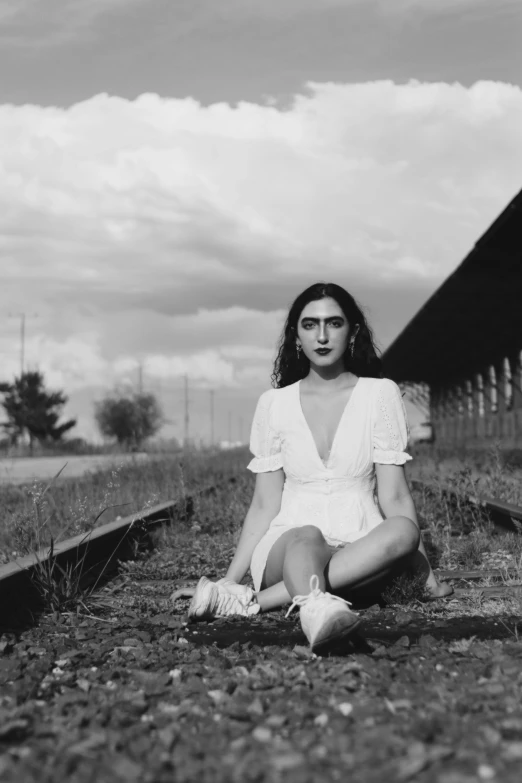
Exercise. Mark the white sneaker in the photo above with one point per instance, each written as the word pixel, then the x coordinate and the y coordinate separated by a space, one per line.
pixel 243 592
pixel 324 617
pixel 212 599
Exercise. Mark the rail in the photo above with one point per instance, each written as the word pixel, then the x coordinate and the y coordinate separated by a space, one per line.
pixel 98 550
pixel 505 516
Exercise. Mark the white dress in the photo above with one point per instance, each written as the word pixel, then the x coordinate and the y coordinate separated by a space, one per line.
pixel 337 496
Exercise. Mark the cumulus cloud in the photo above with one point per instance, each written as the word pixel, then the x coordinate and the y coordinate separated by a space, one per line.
pixel 163 231
pixel 207 345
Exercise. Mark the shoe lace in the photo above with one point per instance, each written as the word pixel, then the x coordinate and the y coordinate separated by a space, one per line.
pixel 229 603
pixel 226 603
pixel 315 592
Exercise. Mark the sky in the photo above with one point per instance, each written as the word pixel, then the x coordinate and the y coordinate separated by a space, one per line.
pixel 173 174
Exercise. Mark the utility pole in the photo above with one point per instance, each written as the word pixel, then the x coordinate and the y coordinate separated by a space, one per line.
pixel 241 429
pixel 22 344
pixel 140 378
pixel 211 417
pixel 187 420
pixel 21 316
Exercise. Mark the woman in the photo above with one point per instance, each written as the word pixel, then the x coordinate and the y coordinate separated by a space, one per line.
pixel 328 445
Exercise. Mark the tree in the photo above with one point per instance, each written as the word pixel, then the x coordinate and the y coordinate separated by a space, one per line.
pixel 130 418
pixel 30 406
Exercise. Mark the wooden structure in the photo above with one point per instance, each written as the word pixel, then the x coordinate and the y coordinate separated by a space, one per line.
pixel 460 357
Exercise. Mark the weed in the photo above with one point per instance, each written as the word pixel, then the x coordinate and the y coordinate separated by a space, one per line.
pixel 499 480
pixel 406 589
pixel 469 552
pixel 60 588
pixel 22 533
pixel 513 631
pixel 63 588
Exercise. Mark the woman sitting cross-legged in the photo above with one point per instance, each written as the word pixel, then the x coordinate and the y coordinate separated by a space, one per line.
pixel 331 513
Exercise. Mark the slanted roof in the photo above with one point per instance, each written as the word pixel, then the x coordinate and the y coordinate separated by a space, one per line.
pixel 474 318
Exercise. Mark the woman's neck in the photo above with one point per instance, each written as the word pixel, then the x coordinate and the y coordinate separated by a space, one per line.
pixel 329 381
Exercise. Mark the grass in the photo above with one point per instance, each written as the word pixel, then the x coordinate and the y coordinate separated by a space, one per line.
pixel 459 534
pixel 406 590
pixel 45 514
pixel 493 471
pixel 30 515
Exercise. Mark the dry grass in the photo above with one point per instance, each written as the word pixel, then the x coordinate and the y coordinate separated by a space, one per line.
pixel 460 534
pixel 492 472
pixel 30 515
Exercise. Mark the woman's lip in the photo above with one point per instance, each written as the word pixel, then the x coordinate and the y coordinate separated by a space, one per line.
pixel 323 350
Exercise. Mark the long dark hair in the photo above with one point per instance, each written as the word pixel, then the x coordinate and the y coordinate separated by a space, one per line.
pixel 290 367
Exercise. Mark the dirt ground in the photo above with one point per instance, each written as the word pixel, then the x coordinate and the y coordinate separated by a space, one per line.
pixel 130 691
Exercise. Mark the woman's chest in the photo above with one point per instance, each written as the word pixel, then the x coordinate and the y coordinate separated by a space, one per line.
pixel 323 416
pixel 317 436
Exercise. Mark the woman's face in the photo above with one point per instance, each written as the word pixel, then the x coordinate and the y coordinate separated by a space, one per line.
pixel 323 325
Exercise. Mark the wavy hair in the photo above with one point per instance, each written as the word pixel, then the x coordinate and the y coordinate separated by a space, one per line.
pixel 290 367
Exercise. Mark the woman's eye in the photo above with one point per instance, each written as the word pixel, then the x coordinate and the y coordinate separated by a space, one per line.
pixel 336 324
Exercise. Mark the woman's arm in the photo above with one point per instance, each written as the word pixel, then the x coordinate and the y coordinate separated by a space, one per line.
pixel 395 499
pixel 265 505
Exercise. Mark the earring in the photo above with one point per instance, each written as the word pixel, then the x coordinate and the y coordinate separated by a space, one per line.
pixel 351 348
pixel 298 349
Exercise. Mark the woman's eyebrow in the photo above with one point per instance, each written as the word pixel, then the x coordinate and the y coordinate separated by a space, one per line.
pixel 330 318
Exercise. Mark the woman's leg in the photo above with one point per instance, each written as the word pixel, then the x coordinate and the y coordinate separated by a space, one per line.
pixel 294 558
pixel 296 553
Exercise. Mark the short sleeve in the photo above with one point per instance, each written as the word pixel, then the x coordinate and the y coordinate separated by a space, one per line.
pixel 265 443
pixel 390 427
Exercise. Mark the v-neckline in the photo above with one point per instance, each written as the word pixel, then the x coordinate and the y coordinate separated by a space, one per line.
pixel 347 405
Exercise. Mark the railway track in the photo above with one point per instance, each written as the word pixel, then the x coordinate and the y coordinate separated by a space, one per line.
pixel 506 517
pixel 101 550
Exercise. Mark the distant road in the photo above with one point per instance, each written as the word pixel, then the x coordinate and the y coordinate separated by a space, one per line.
pixel 24 470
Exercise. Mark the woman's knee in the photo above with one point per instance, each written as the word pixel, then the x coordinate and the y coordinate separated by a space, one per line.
pixel 405 537
pixel 286 550
pixel 307 534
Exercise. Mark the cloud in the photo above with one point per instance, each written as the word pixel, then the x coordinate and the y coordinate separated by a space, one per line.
pixel 50 22
pixel 161 231
pixel 287 8
pixel 55 22
pixel 208 345
pixel 438 7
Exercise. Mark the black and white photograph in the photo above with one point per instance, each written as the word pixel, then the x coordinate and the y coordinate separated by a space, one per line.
pixel 260 391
